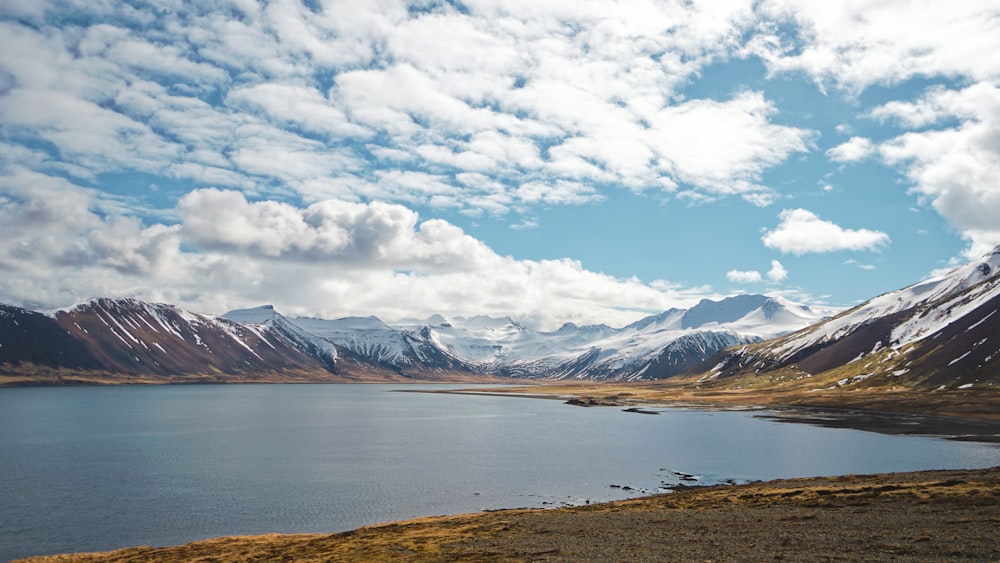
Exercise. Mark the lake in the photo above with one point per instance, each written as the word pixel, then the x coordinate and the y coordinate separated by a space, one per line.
pixel 98 468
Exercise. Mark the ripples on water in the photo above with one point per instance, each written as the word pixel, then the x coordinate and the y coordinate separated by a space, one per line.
pixel 97 468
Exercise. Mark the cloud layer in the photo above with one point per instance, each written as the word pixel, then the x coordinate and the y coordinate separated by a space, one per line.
pixel 282 149
pixel 492 108
pixel 331 258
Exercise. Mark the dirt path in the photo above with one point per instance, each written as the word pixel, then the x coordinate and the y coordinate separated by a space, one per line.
pixel 922 516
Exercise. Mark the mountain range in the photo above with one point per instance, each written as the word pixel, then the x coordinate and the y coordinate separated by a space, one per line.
pixel 652 348
pixel 939 332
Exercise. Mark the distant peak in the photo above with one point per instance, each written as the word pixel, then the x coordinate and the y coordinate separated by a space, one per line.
pixel 728 310
pixel 255 315
pixel 435 320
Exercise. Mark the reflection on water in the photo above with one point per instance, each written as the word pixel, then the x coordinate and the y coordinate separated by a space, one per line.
pixel 96 468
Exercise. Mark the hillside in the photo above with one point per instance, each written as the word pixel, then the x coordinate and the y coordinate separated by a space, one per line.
pixel 130 341
pixel 942 333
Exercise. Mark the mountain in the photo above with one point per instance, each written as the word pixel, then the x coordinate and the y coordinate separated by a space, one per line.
pixel 363 343
pixel 321 350
pixel 938 333
pixel 145 340
pixel 941 332
pixel 656 347
pixel 27 337
pixel 131 338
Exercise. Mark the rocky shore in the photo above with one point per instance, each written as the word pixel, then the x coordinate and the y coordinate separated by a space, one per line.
pixel 957 414
pixel 920 516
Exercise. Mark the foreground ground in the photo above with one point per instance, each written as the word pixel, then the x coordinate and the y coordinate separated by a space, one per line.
pixel 924 516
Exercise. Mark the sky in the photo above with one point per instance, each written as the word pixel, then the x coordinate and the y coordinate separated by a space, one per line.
pixel 553 161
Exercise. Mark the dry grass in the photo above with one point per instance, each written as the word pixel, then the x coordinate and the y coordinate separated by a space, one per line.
pixel 978 404
pixel 923 516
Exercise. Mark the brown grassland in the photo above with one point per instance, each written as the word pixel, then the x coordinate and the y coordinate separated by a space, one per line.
pixel 924 516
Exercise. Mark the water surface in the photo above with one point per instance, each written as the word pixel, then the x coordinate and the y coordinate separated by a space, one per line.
pixel 98 468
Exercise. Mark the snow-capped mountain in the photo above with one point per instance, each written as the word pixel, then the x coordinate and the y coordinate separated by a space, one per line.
pixel 656 347
pixel 127 336
pixel 313 345
pixel 939 332
pixel 30 338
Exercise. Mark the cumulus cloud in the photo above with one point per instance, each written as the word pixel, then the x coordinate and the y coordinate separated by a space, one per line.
pixel 777 272
pixel 367 111
pixel 857 45
pixel 954 167
pixel 855 149
pixel 64 243
pixel 362 235
pixel 801 232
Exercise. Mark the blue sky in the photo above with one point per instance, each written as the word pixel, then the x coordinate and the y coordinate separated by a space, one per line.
pixel 551 161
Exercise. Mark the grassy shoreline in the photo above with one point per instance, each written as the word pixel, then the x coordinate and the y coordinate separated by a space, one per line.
pixel 915 516
pixel 966 414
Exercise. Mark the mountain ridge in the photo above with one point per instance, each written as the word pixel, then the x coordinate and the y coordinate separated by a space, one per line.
pixel 938 332
pixel 503 346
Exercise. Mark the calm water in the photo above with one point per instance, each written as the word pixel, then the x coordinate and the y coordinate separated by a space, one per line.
pixel 97 468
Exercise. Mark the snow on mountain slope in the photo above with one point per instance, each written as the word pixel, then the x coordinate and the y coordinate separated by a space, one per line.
pixel 913 298
pixel 368 337
pixel 307 342
pixel 28 337
pixel 654 347
pixel 131 336
pixel 598 351
pixel 941 331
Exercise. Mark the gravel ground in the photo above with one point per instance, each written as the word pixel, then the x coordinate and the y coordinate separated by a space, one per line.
pixel 922 516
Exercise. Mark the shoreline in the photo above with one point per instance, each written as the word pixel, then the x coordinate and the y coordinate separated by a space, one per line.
pixel 912 516
pixel 912 417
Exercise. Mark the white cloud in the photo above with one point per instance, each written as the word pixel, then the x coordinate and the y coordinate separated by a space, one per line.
pixel 759 199
pixel 63 243
pixel 359 107
pixel 559 192
pixel 723 147
pixel 869 42
pixel 299 105
pixel 375 235
pixel 279 96
pixel 874 42
pixel 744 276
pixel 777 272
pixel 855 149
pixel 955 168
pixel 801 232
pixel 860 265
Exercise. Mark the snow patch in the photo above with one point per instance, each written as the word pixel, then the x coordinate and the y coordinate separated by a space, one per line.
pixel 960 358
